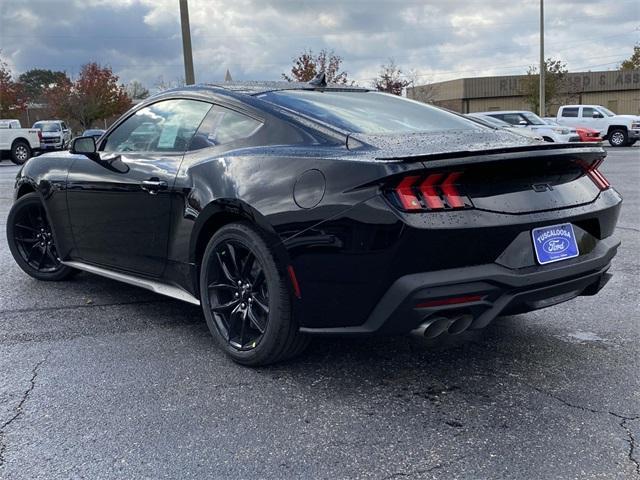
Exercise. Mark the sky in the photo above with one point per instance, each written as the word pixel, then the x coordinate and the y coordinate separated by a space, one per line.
pixel 257 39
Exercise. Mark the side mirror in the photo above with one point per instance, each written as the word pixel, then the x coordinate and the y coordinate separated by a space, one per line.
pixel 84 146
pixel 523 123
pixel 597 115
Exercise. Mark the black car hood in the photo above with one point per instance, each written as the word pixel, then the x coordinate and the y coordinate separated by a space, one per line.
pixel 416 145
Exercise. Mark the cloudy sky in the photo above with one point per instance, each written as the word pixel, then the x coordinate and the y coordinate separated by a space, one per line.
pixel 256 39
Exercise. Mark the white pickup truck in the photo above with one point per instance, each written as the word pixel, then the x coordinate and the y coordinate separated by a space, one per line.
pixel 620 130
pixel 20 142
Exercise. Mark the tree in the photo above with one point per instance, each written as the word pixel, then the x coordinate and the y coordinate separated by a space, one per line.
pixel 94 95
pixel 37 82
pixel 390 79
pixel 307 65
pixel 13 100
pixel 137 91
pixel 633 62
pixel 161 84
pixel 555 79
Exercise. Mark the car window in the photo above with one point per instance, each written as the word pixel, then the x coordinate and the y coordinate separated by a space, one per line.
pixel 47 127
pixel 606 112
pixel 165 126
pixel 368 112
pixel 222 126
pixel 587 112
pixel 570 112
pixel 532 118
pixel 64 126
pixel 512 118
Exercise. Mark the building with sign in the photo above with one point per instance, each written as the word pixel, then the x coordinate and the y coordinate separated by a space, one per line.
pixel 618 90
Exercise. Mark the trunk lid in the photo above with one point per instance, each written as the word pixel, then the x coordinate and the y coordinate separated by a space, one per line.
pixel 491 171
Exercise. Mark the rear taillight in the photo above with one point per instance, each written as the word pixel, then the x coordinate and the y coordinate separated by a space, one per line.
pixel 40 135
pixel 435 191
pixel 595 175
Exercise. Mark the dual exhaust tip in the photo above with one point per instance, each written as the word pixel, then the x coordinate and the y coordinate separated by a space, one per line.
pixel 453 323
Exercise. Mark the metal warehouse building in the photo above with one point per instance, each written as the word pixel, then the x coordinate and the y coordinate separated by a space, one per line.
pixel 618 90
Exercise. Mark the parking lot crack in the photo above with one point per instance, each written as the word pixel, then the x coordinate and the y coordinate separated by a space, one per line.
pixel 19 408
pixel 623 423
pixel 88 305
pixel 411 473
pixel 632 445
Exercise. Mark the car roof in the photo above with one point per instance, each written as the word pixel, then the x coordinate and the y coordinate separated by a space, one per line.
pixel 243 89
pixel 49 121
pixel 581 105
pixel 502 111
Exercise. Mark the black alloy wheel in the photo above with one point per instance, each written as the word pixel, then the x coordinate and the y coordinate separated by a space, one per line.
pixel 238 296
pixel 31 240
pixel 246 298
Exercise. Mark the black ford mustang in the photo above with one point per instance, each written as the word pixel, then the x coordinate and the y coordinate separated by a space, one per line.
pixel 287 210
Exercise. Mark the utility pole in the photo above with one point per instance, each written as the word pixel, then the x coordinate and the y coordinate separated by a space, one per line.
pixel 542 64
pixel 189 76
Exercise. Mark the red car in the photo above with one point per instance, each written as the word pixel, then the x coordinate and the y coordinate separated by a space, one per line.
pixel 588 134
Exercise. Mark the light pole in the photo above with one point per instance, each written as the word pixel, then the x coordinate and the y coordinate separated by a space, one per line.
pixel 189 76
pixel 542 64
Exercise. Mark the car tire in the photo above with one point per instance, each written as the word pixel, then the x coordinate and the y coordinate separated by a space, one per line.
pixel 618 138
pixel 20 152
pixel 246 298
pixel 31 240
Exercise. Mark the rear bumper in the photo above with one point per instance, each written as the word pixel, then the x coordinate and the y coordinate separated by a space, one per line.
pixel 501 290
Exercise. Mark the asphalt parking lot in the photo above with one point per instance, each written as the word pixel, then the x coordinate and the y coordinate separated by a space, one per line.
pixel 103 380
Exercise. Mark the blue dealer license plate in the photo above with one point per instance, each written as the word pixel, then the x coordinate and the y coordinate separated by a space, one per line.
pixel 554 243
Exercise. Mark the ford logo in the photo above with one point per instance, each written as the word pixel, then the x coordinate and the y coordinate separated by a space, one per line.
pixel 555 245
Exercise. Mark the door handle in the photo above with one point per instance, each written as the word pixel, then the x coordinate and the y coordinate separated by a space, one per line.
pixel 153 186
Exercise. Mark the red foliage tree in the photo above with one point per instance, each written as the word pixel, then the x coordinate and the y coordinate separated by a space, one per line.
pixel 13 99
pixel 390 79
pixel 307 65
pixel 94 95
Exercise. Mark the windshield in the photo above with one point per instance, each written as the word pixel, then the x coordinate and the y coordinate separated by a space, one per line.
pixel 606 112
pixel 491 121
pixel 47 127
pixel 368 112
pixel 533 118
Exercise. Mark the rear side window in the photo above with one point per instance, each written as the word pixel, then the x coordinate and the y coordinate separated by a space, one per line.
pixel 222 126
pixel 570 112
pixel 587 112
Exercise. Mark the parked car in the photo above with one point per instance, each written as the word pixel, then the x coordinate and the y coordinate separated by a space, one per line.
pixel 531 121
pixel 288 210
pixel 20 143
pixel 585 134
pixel 620 130
pixel 93 132
pixel 55 134
pixel 495 123
pixel 588 134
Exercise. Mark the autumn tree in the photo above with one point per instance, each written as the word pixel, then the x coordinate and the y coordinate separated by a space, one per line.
pixel 633 62
pixel 555 79
pixel 390 79
pixel 137 91
pixel 13 100
pixel 94 95
pixel 37 82
pixel 307 65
